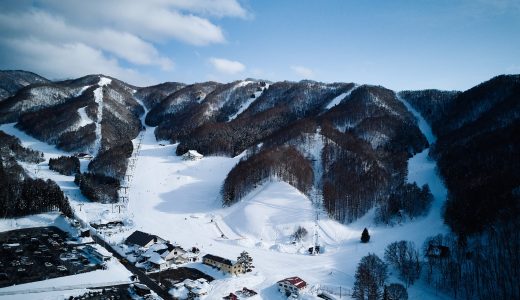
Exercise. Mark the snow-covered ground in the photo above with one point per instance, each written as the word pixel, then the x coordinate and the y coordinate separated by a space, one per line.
pixel 39 220
pixel 179 201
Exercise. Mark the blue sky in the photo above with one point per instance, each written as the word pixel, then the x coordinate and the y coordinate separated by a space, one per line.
pixel 415 44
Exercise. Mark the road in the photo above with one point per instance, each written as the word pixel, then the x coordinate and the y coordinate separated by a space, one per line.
pixel 143 278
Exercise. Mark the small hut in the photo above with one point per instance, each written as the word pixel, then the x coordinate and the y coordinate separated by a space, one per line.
pixel 192 155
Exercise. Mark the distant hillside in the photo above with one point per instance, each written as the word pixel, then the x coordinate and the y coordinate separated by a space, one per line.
pixel 12 81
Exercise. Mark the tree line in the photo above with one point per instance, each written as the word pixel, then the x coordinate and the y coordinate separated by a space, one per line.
pixel 98 188
pixel 284 163
pixel 65 165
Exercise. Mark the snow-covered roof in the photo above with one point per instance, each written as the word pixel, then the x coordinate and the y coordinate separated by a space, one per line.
pixel 102 251
pixel 296 281
pixel 156 259
pixel 193 153
pixel 158 246
pixel 140 238
pixel 218 259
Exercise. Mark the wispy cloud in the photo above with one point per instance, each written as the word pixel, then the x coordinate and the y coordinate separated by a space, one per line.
pixel 68 60
pixel 302 71
pixel 118 33
pixel 227 66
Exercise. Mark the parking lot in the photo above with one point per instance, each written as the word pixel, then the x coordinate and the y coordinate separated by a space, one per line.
pixel 34 254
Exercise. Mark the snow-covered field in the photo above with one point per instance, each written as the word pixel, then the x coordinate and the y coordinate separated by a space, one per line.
pixel 179 201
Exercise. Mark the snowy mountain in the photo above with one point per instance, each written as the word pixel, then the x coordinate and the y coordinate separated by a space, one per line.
pixel 280 158
pixel 12 81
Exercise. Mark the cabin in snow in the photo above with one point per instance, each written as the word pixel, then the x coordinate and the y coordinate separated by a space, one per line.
pixel 192 155
pixel 291 286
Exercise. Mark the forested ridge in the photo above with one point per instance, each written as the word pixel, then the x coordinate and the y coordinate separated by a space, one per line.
pixel 19 193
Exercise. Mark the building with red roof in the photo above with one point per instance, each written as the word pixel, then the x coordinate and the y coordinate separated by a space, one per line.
pixel 292 285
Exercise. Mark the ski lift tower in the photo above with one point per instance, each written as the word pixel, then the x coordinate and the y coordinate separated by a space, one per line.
pixel 315 249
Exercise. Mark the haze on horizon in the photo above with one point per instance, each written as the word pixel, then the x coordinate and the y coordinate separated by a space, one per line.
pixel 443 44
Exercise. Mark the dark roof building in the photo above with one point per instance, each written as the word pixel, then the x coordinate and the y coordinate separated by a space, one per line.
pixel 142 239
pixel 217 259
pixel 223 264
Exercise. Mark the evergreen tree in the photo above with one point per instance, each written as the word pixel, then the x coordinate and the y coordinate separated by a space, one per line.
pixel 365 236
pixel 245 261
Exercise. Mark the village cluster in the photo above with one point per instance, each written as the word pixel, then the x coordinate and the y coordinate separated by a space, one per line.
pixel 155 254
pixel 152 253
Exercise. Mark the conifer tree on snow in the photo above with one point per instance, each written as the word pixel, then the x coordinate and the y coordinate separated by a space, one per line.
pixel 245 261
pixel 365 237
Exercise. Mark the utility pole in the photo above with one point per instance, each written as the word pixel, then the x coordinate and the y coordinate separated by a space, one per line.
pixel 316 236
pixel 80 205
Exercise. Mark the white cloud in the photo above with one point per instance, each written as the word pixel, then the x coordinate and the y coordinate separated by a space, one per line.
pixel 107 34
pixel 67 60
pixel 302 71
pixel 151 20
pixel 227 66
pixel 54 30
pixel 221 8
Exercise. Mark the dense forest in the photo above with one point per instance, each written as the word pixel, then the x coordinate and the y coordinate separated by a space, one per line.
pixel 357 167
pixel 477 152
pixel 20 194
pixel 98 188
pixel 284 163
pixel 66 165
pixel 112 162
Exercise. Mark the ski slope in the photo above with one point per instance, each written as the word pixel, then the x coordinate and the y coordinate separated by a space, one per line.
pixel 337 100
